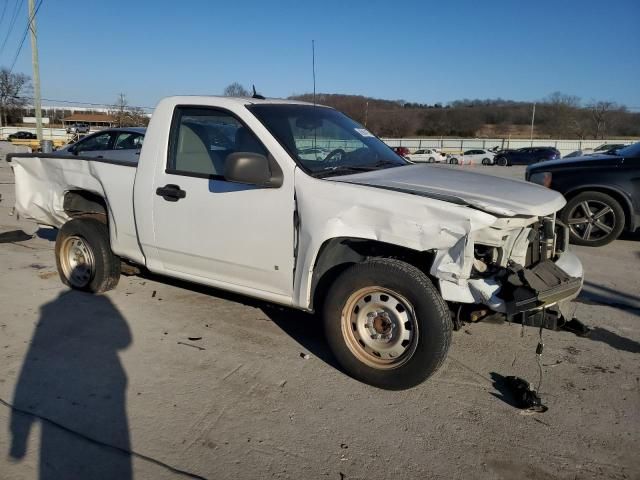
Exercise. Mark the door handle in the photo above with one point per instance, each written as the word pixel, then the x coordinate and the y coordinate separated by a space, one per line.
pixel 171 192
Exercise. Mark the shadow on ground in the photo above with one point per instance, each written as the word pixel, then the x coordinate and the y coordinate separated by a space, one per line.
pixel 73 384
pixel 614 340
pixel 593 293
pixel 504 391
pixel 14 236
pixel 305 328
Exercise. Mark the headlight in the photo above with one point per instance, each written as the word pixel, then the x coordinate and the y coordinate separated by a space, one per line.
pixel 541 178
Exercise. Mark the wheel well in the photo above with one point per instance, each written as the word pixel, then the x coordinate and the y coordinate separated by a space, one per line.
pixel 338 254
pixel 80 202
pixel 619 197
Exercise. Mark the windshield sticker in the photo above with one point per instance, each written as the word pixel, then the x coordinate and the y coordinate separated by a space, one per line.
pixel 364 132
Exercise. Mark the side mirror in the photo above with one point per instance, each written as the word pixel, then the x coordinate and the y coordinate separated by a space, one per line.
pixel 253 169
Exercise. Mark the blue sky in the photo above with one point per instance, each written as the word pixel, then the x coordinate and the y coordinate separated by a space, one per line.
pixel 423 51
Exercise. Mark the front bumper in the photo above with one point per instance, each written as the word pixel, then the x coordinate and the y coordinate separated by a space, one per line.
pixel 519 289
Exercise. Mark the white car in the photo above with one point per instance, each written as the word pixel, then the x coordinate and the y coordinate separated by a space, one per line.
pixel 473 157
pixel 427 155
pixel 384 250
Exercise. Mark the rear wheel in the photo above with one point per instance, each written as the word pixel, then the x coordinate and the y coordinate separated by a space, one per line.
pixel 594 219
pixel 486 161
pixel 453 161
pixel 502 161
pixel 386 324
pixel 84 257
pixel 431 160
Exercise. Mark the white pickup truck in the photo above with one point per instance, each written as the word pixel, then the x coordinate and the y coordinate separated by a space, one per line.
pixel 390 253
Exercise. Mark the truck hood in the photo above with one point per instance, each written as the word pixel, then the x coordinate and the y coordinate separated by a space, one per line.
pixel 501 196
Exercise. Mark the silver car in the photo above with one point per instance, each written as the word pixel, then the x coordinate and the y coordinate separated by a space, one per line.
pixel 119 144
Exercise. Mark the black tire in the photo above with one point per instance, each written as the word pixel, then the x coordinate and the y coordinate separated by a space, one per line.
pixel 605 211
pixel 427 311
pixel 486 161
pixel 431 160
pixel 502 161
pixel 93 237
pixel 453 161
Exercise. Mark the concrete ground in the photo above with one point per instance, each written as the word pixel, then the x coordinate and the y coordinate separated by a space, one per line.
pixel 204 384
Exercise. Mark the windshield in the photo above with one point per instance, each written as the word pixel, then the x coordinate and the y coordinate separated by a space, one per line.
pixel 630 151
pixel 324 141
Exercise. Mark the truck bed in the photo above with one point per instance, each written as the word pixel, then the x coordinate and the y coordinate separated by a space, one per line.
pixel 42 182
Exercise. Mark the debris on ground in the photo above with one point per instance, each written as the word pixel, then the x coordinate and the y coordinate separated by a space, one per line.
pixel 194 338
pixel 153 295
pixel 524 397
pixel 191 345
pixel 306 356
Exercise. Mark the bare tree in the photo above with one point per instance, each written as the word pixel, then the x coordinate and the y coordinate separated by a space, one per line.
pixel 126 115
pixel 119 109
pixel 600 113
pixel 235 90
pixel 14 91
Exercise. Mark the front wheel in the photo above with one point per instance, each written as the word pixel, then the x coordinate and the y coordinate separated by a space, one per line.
pixel 387 324
pixel 502 161
pixel 486 161
pixel 84 257
pixel 594 219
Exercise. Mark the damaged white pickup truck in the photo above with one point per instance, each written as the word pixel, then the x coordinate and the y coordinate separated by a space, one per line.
pixel 297 204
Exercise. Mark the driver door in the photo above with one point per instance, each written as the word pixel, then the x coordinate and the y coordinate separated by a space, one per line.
pixel 209 230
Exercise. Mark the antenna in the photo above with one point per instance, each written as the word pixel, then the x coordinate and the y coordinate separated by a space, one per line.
pixel 313 60
pixel 313 63
pixel 256 94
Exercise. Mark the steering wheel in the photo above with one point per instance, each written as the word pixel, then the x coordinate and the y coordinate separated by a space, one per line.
pixel 335 155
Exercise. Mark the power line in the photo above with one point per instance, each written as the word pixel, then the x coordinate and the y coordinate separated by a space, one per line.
pixel 82 103
pixel 4 10
pixel 14 16
pixel 24 36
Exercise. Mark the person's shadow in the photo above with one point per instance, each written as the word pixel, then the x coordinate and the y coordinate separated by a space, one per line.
pixel 72 381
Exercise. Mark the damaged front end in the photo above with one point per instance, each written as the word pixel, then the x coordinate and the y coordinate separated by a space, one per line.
pixel 518 267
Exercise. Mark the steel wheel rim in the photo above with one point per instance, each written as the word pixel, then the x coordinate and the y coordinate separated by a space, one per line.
pixel 379 327
pixel 77 261
pixel 592 220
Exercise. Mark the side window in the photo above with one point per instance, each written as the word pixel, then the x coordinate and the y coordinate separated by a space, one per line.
pixel 128 141
pixel 469 152
pixel 202 138
pixel 97 142
pixel 419 152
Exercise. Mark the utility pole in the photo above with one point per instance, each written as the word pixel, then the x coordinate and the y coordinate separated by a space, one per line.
pixel 366 114
pixel 533 119
pixel 36 70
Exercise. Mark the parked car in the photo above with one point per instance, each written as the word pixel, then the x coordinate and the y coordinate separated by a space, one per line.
pixel 602 192
pixel 22 136
pixel 473 157
pixel 121 144
pixel 402 151
pixel 526 156
pixel 78 128
pixel 427 155
pixel 601 149
pixel 376 244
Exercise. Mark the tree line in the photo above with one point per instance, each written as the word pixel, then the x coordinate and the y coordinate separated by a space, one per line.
pixel 557 116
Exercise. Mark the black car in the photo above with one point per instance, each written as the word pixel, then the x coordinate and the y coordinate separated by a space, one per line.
pixel 602 192
pixel 22 136
pixel 525 156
